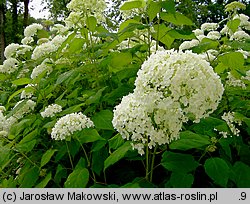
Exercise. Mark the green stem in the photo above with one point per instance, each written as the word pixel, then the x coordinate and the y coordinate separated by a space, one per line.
pixel 147 163
pixel 71 162
pixel 152 164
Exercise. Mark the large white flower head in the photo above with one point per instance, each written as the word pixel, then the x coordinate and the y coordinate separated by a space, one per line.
pixel 32 29
pixel 185 78
pixel 80 9
pixel 44 66
pixel 69 124
pixel 9 66
pixel 51 110
pixel 10 50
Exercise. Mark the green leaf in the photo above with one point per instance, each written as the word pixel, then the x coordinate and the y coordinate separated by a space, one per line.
pixel 220 68
pixel 98 158
pixel 169 6
pixel 29 177
pixel 233 24
pixel 119 60
pixel 5 154
pixel 91 23
pixel 153 9
pixel 178 162
pixel 60 173
pixel 79 178
pixel 218 170
pixel 28 142
pixel 181 180
pixel 179 34
pixel 116 141
pixel 87 135
pixel 189 140
pixel 42 34
pixel 162 35
pixel 95 98
pixel 22 81
pixel 45 181
pixel 47 156
pixel 176 18
pixel 127 23
pixel 233 60
pixel 103 120
pixel 76 45
pixel 204 45
pixel 131 5
pixel 117 155
pixel 241 174
pixel 64 77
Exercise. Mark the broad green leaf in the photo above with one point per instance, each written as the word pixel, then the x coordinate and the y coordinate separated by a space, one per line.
pixel 233 25
pixel 120 60
pixel 169 6
pixel 127 23
pixel 60 173
pixel 98 159
pixel 42 34
pixel 28 142
pixel 176 18
pixel 103 120
pixel 131 5
pixel 117 154
pixel 204 45
pixel 87 135
pixel 181 180
pixel 116 141
pixel 29 177
pixel 45 181
pixel 189 140
pixel 218 170
pixel 153 9
pixel 76 45
pixel 22 81
pixel 47 156
pixel 5 155
pixel 79 178
pixel 64 77
pixel 162 35
pixel 95 98
pixel 91 23
pixel 233 60
pixel 81 164
pixel 241 174
pixel 28 89
pixel 220 68
pixel 179 34
pixel 178 162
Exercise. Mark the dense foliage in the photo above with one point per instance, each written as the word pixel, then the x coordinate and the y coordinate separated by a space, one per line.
pixel 154 104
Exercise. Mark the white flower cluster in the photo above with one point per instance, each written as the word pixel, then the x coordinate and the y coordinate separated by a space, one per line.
pixel 3 122
pixel 232 81
pixel 171 88
pixel 189 44
pixel 28 93
pixel 10 50
pixel 59 28
pixel 80 9
pixel 51 110
pixel 231 121
pixel 48 47
pixel 44 66
pixel 27 40
pixel 32 29
pixel 69 124
pixel 24 108
pixel 9 66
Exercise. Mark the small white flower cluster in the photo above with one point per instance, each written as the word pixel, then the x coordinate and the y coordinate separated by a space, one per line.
pixel 69 124
pixel 26 94
pixel 189 44
pixel 59 28
pixel 51 110
pixel 44 66
pixel 9 66
pixel 25 108
pixel 171 88
pixel 10 50
pixel 3 122
pixel 231 121
pixel 232 81
pixel 27 40
pixel 81 9
pixel 48 47
pixel 32 29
